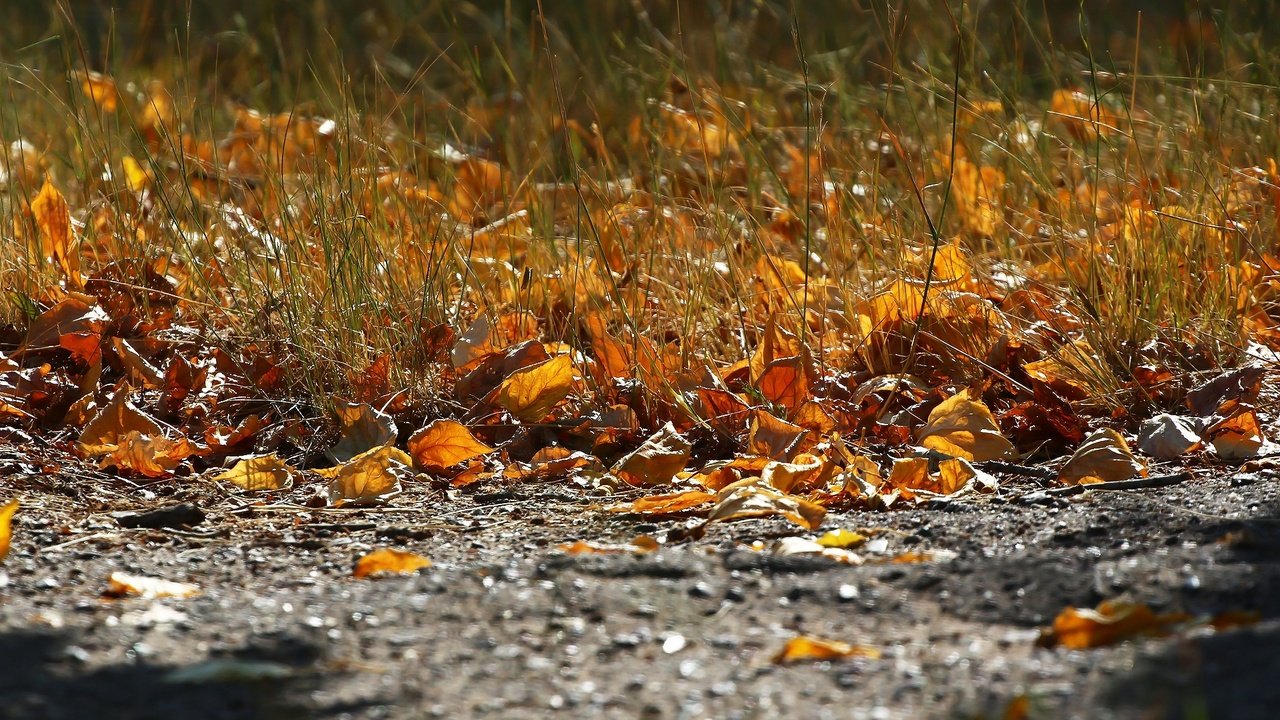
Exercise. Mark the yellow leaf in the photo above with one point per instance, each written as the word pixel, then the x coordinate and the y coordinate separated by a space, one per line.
pixel 808 648
pixel 1103 457
pixel 370 476
pixel 53 218
pixel 657 460
pixel 101 89
pixel 267 472
pixel 963 427
pixel 804 473
pixel 1110 623
pixel 107 430
pixel 6 526
pixel 443 444
pixel 136 178
pixel 389 560
pixel 124 585
pixel 841 538
pixel 531 393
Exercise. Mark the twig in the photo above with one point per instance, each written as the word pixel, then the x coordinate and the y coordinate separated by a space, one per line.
pixel 1156 481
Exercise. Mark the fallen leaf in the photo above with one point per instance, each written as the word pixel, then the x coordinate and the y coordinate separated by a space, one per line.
pixel 668 504
pixel 751 498
pixel 126 585
pixel 1103 457
pixel 1110 623
pixel 657 460
pixel 841 538
pixel 370 476
pixel 443 444
pixel 963 427
pixel 772 437
pixel 1222 394
pixel 6 526
pixel 1168 436
pixel 805 546
pixel 362 428
pixel 639 545
pixel 805 472
pixel 530 393
pixel 804 648
pixel 265 472
pixel 390 561
pixel 1237 437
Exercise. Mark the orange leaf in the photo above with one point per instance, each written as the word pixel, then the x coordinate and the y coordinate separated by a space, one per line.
pixel 389 560
pixel 1237 437
pixel 267 472
pixel 53 218
pixel 1104 457
pixel 531 393
pixel 962 427
pixel 362 428
pixel 657 460
pixel 785 382
pixel 1110 623
pixel 6 526
pixel 101 89
pixel 670 503
pixel 806 647
pixel 751 498
pixel 370 476
pixel 443 444
pixel 773 438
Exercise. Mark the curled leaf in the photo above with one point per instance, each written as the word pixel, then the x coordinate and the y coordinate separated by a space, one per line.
pixel 1110 623
pixel 751 499
pixel 657 460
pixel 808 648
pixel 668 504
pixel 1237 437
pixel 390 561
pixel 363 427
pixel 1104 457
pixel 370 476
pixel 125 585
pixel 1168 436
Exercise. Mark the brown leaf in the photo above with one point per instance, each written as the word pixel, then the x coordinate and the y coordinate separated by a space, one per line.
pixel 389 561
pixel 1168 436
pixel 963 427
pixel 362 428
pixel 803 648
pixel 105 432
pixel 125 585
pixel 785 383
pixel 6 526
pixel 1237 437
pixel 1104 457
pixel 1222 394
pixel 443 444
pixel 370 476
pixel 772 437
pixel 657 460
pixel 53 218
pixel 668 504
pixel 266 472
pixel 532 392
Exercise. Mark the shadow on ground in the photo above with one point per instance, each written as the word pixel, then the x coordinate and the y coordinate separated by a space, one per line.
pixel 40 680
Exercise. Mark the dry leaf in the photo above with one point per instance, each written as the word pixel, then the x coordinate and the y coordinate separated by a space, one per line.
pixel 370 476
pixel 657 460
pixel 125 585
pixel 1110 623
pixel 266 472
pixel 808 648
pixel 100 89
pixel 1168 436
pixel 804 473
pixel 53 218
pixel 668 504
pixel 751 498
pixel 391 561
pixel 1104 457
pixel 6 526
pixel 362 428
pixel 772 437
pixel 443 444
pixel 805 546
pixel 963 427
pixel 531 393
pixel 841 538
pixel 1237 437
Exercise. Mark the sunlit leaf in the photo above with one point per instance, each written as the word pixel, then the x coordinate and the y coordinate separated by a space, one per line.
pixel 773 437
pixel 1168 436
pixel 370 476
pixel 751 499
pixel 389 561
pixel 1103 457
pixel 963 427
pixel 1237 437
pixel 670 503
pixel 127 585
pixel 443 444
pixel 6 526
pixel 806 648
pixel 657 460
pixel 805 546
pixel 1110 623
pixel 101 90
pixel 266 472
pixel 532 392
pixel 805 472
pixel 841 538
pixel 136 177
pixel 53 218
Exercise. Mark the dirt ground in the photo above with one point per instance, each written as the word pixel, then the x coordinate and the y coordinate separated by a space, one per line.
pixel 506 625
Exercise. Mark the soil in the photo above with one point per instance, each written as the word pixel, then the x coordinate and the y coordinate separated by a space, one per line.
pixel 505 624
